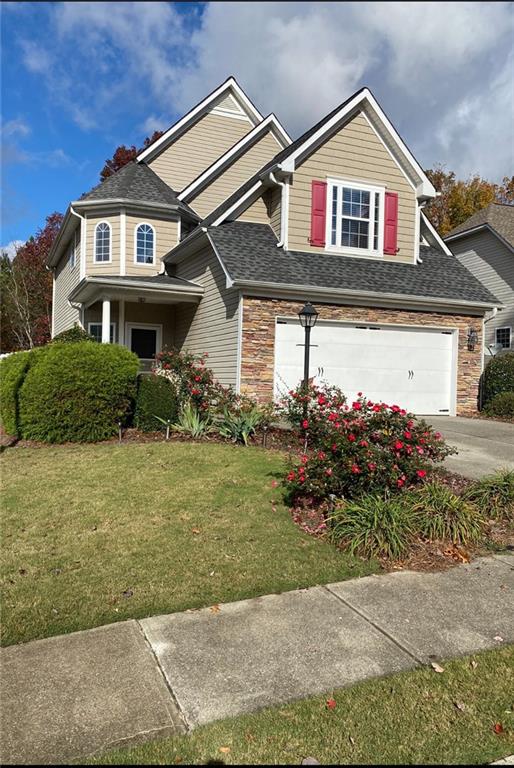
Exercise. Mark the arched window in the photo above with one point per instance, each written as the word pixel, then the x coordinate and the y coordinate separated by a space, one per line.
pixel 103 241
pixel 145 244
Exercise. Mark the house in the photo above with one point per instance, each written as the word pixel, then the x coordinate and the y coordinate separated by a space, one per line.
pixel 221 229
pixel 484 243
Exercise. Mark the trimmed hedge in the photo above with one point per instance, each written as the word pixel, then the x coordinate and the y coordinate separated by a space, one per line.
pixel 12 373
pixel 77 392
pixel 501 405
pixel 498 377
pixel 72 335
pixel 155 397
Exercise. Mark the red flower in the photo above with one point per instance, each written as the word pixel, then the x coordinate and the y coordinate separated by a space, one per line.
pixel 195 391
pixel 321 400
pixel 198 378
pixel 305 424
pixel 322 456
pixel 398 445
pixel 363 444
pixel 395 408
pixel 357 406
pixel 400 482
pixel 372 466
pixel 407 435
pixel 359 394
pixel 437 436
pixel 328 471
pixel 377 408
pixel 356 469
pixel 291 475
pixel 421 473
pixel 332 416
pixel 351 438
pixel 420 450
pixel 304 459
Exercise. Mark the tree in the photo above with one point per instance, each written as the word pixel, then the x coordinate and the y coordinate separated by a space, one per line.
pixel 458 200
pixel 123 155
pixel 27 289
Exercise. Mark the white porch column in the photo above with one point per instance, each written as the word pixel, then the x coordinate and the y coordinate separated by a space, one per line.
pixel 121 321
pixel 106 321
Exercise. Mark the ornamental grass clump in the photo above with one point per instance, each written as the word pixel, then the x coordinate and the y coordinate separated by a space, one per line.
pixel 494 495
pixel 356 448
pixel 439 514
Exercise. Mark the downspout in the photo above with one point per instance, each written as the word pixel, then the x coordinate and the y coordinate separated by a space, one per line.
pixel 283 218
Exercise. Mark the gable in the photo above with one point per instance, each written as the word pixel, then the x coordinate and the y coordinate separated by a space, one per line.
pixel 353 153
pixel 197 148
pixel 224 185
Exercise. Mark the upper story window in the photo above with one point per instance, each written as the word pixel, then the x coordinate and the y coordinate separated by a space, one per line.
pixel 103 241
pixel 71 258
pixel 145 244
pixel 503 337
pixel 355 220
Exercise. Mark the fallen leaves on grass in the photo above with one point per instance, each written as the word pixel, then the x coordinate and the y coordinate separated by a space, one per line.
pixel 331 704
pixel 215 608
pixel 437 667
pixel 224 750
pixel 195 531
pixel 498 728
pixel 459 705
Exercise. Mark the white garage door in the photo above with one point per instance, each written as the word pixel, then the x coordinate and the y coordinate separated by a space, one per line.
pixel 411 367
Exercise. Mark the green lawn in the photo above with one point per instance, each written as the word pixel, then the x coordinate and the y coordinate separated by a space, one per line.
pixel 100 533
pixel 418 717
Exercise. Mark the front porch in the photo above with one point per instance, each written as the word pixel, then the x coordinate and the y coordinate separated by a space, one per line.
pixel 137 313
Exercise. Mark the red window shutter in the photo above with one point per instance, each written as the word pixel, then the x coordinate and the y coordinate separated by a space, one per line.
pixel 391 222
pixel 318 212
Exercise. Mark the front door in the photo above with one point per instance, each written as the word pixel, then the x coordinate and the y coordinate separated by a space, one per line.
pixel 144 340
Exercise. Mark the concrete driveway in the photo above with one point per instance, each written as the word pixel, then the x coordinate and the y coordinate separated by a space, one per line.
pixel 484 446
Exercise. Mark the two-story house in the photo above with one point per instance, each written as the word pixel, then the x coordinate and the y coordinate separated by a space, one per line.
pixel 213 239
pixel 484 243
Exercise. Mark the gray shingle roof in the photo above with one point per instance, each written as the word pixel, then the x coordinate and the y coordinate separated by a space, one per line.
pixel 249 252
pixel 498 217
pixel 136 181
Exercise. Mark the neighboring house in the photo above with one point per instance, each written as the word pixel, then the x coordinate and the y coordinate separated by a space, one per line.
pixel 213 239
pixel 484 243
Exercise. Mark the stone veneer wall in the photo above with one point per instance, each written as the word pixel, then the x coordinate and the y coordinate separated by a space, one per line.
pixel 258 341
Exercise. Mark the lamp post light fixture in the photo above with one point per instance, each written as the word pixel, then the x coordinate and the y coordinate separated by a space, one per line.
pixel 472 338
pixel 308 317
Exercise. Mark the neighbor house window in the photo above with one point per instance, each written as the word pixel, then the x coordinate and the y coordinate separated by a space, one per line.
pixel 71 258
pixel 95 329
pixel 103 241
pixel 503 337
pixel 145 244
pixel 355 215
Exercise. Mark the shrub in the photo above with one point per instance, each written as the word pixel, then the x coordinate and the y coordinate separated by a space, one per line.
pixel 373 526
pixel 72 335
pixel 494 495
pixel 501 405
pixel 12 373
pixel 77 392
pixel 360 448
pixel 498 376
pixel 155 400
pixel 440 514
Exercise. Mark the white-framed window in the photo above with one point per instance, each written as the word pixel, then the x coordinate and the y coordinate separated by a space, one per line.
pixel 71 258
pixel 503 337
pixel 103 241
pixel 355 217
pixel 95 329
pixel 144 244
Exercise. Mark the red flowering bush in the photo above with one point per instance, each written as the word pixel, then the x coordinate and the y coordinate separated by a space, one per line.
pixel 357 448
pixel 193 381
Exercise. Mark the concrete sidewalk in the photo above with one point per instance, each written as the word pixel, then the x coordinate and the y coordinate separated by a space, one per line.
pixel 68 697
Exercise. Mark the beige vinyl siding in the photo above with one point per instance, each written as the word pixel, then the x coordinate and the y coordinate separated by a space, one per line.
pixel 196 149
pixel 228 102
pixel 257 211
pixel 212 325
pixel 235 175
pixel 64 315
pixel 109 267
pixel 353 153
pixel 166 237
pixel 492 262
pixel 274 208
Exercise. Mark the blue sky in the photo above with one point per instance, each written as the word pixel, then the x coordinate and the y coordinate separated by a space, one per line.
pixel 80 78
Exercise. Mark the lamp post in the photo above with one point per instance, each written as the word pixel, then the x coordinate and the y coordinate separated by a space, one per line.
pixel 308 317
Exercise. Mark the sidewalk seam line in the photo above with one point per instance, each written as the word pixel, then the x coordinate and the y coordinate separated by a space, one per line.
pixel 377 627
pixel 166 681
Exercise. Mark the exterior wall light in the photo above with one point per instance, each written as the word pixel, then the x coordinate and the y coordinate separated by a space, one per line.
pixel 472 338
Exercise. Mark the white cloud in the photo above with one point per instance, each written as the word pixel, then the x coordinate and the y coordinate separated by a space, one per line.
pixel 11 248
pixel 438 69
pixel 15 127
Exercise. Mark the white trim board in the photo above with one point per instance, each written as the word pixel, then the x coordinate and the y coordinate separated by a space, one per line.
pixel 194 114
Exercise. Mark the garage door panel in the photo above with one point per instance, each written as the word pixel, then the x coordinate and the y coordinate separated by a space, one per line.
pixel 377 362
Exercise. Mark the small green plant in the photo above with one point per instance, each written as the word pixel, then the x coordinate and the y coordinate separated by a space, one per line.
pixel 156 403
pixel 72 335
pixel 240 425
pixel 373 526
pixel 494 495
pixel 192 423
pixel 498 376
pixel 501 405
pixel 438 513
